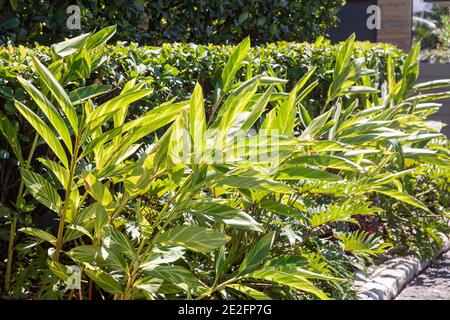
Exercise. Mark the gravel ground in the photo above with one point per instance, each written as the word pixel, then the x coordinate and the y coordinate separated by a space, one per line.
pixel 432 284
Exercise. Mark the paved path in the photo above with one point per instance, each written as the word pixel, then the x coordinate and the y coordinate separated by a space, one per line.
pixel 432 284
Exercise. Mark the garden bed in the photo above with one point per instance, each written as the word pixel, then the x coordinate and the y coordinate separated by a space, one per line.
pixel 203 172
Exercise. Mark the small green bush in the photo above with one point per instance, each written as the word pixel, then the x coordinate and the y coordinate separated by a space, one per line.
pixel 155 22
pixel 436 56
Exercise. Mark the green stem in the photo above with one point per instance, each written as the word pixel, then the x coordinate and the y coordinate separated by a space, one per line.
pixel 134 270
pixel 214 110
pixel 12 230
pixel 59 238
pixel 125 201
pixel 12 234
pixel 119 210
pixel 325 107
pixel 214 289
pixel 137 262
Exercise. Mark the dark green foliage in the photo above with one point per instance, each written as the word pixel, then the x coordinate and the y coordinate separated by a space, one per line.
pixel 155 22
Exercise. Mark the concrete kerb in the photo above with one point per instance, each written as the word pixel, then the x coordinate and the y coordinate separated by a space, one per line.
pixel 385 282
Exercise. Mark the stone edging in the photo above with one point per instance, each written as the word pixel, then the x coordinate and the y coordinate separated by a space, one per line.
pixel 384 282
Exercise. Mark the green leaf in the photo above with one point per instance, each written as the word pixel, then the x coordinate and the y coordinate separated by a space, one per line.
pixel 304 116
pixel 281 208
pixel 101 217
pixel 44 131
pixel 85 253
pixel 197 239
pixel 429 97
pixel 82 94
pixel 254 183
pixel 104 281
pixel 286 115
pixel 242 221
pixel 435 84
pixel 326 161
pixel 58 93
pixel 98 191
pixel 179 277
pixel 81 66
pixel 67 47
pixel 316 125
pixel 7 92
pixel 360 90
pixel 7 130
pixel 295 173
pixel 117 240
pixel 257 110
pixel 235 104
pixel 6 212
pixel 363 244
pixel 252 293
pixel 63 272
pixel 40 234
pixel 257 254
pixel 143 126
pixel 341 211
pixel 234 63
pixel 107 109
pixel 403 197
pixel 225 214
pixel 297 271
pixel 197 122
pixel 49 110
pixel 345 70
pixel 386 178
pixel 291 280
pixel 161 255
pixel 61 173
pixel 101 37
pixel 41 190
pixel 425 156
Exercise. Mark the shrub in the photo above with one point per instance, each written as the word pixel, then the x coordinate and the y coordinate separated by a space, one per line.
pixel 155 22
pixel 143 217
pixel 173 70
pixel 436 56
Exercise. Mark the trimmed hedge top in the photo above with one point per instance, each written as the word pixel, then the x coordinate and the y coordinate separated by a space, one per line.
pixel 155 22
pixel 175 68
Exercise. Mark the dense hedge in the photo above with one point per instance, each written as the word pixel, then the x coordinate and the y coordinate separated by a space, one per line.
pixel 154 22
pixel 175 68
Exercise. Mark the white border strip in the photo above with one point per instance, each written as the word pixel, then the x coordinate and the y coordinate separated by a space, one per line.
pixel 386 281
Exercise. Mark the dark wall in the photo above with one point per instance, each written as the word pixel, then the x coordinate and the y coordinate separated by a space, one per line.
pixel 353 18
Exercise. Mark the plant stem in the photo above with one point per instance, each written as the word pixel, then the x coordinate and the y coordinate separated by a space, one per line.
pixel 12 230
pixel 118 211
pixel 59 238
pixel 220 286
pixel 12 233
